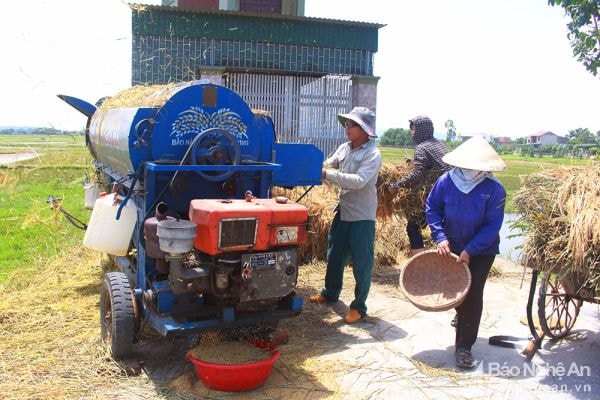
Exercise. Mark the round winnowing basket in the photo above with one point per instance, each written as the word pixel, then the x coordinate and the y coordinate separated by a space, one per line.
pixel 434 283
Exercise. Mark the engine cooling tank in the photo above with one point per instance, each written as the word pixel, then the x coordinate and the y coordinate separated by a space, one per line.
pixel 229 225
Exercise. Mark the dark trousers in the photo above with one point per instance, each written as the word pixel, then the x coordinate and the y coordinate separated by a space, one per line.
pixel 469 312
pixel 414 227
pixel 350 239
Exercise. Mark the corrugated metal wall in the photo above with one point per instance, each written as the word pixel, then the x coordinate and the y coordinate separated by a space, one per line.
pixel 174 22
pixel 165 59
pixel 304 109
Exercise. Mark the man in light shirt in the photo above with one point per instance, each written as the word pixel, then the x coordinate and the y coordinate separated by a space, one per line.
pixel 353 168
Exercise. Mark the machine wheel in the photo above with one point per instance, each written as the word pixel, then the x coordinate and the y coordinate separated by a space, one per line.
pixel 117 314
pixel 557 309
pixel 215 147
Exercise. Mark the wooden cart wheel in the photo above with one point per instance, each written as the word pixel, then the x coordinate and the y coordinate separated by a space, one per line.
pixel 557 309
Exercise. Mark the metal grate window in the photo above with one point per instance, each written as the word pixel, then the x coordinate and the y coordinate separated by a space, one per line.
pixel 304 109
pixel 236 232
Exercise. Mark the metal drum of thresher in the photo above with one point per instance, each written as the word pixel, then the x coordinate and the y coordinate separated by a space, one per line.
pixel 159 125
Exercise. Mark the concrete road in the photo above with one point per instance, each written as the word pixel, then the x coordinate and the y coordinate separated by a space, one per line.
pixel 412 356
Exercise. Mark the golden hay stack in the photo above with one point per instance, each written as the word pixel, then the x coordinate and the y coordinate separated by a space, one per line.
pixel 560 209
pixel 143 96
pixel 406 201
pixel 151 96
pixel 392 210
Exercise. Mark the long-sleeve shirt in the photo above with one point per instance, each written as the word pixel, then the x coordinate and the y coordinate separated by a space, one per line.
pixel 470 222
pixel 356 175
pixel 428 157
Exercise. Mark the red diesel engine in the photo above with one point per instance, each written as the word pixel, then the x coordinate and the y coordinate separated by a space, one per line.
pixel 244 251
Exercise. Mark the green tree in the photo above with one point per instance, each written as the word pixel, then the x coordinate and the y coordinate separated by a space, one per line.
pixel 584 32
pixel 396 137
pixel 451 130
pixel 581 136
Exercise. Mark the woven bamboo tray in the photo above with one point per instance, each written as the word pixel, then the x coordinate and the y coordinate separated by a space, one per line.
pixel 434 283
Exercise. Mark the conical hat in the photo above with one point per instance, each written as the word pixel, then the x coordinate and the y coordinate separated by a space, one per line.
pixel 476 153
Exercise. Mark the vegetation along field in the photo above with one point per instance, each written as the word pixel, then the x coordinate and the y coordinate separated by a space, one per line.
pixel 31 232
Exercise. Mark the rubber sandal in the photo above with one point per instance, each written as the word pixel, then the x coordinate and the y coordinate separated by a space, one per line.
pixel 464 359
pixel 317 298
pixel 352 316
pixel 454 321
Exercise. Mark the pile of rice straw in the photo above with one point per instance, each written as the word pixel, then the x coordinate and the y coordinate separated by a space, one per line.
pixel 392 210
pixel 143 96
pixel 406 201
pixel 561 210
pixel 151 96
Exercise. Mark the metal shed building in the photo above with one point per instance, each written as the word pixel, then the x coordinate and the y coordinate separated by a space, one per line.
pixel 302 70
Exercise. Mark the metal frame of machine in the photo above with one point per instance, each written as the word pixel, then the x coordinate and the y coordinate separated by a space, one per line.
pixel 199 156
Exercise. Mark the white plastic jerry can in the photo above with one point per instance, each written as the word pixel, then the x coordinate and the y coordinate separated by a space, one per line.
pixel 107 234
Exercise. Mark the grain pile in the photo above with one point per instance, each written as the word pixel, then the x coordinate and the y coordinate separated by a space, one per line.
pixel 560 211
pixel 229 353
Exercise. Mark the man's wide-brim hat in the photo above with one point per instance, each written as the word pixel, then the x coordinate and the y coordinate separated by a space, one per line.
pixel 363 117
pixel 476 153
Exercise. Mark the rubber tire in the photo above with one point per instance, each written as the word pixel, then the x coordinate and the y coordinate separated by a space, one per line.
pixel 117 316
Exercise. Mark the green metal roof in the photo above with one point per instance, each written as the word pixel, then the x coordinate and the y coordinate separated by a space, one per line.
pixel 268 28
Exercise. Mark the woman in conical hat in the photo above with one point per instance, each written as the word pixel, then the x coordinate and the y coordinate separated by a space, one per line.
pixel 464 210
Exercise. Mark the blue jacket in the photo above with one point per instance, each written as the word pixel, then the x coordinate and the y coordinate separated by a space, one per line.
pixel 470 222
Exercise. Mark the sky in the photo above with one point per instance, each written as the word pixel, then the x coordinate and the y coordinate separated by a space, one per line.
pixel 499 67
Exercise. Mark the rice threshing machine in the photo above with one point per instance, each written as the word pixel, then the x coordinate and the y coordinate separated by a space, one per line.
pixel 190 219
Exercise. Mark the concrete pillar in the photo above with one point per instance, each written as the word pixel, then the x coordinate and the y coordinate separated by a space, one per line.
pixel 300 8
pixel 211 74
pixel 364 91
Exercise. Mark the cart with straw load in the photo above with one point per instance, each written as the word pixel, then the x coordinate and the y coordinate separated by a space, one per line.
pixel 560 211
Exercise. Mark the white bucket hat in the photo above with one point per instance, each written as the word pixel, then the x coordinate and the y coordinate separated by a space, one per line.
pixel 477 154
pixel 363 117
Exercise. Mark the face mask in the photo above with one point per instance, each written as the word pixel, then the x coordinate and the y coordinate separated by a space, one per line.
pixel 470 174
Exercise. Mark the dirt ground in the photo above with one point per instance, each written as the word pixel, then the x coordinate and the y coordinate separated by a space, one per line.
pixel 398 351
pixel 401 352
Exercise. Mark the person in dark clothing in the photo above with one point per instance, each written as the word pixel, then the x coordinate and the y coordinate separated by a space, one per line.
pixel 465 210
pixel 427 167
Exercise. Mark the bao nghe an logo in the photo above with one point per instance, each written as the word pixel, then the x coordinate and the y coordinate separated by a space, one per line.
pixel 195 120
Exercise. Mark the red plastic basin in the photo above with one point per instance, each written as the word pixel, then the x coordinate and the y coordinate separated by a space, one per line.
pixel 236 377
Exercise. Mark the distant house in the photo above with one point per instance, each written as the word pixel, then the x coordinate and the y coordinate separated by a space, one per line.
pixel 503 140
pixel 546 138
pixel 462 137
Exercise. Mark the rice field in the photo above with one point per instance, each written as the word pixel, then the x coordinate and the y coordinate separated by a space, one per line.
pixel 33 232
